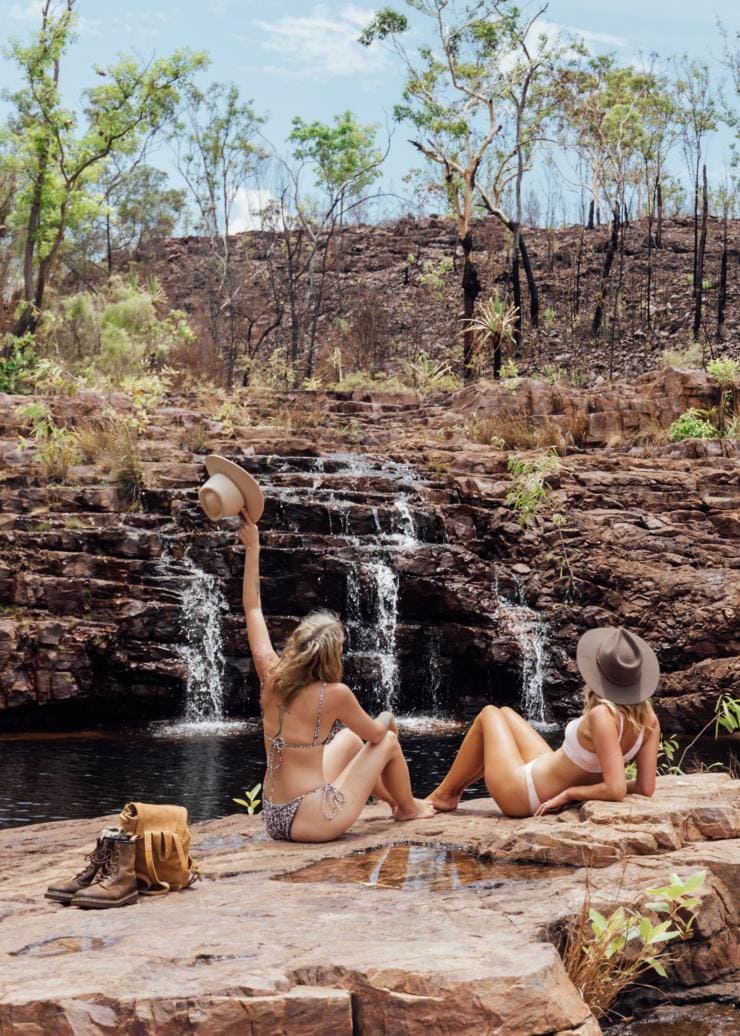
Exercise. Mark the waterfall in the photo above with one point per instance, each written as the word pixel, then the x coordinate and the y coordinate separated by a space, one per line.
pixel 202 608
pixel 530 633
pixel 386 607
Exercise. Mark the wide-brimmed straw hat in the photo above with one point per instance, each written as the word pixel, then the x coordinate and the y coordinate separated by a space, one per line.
pixel 618 665
pixel 229 490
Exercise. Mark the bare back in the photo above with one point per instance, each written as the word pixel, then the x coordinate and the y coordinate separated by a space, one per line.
pixel 295 738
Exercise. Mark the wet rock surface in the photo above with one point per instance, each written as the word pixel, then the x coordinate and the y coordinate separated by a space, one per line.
pixel 241 950
pixel 399 522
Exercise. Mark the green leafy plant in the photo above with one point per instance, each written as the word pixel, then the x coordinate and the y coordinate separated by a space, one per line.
pixel 428 375
pixel 195 438
pixel 692 424
pixel 250 801
pixel 726 372
pixel 529 487
pixel 604 953
pixel 56 448
pixel 227 414
pixel 18 363
pixel 495 324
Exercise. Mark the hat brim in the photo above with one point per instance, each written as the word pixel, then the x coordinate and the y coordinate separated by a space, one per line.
pixel 644 688
pixel 254 500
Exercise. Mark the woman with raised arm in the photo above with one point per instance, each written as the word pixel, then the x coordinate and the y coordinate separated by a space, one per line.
pixel 528 778
pixel 318 777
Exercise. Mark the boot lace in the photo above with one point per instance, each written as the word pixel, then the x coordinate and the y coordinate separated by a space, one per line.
pixel 94 858
pixel 108 863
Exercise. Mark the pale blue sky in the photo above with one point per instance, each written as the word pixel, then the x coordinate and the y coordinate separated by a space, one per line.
pixel 299 57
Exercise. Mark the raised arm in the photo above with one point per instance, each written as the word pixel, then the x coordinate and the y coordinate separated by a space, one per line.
pixel 260 645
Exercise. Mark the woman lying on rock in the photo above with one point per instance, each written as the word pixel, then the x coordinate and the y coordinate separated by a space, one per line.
pixel 528 778
pixel 318 777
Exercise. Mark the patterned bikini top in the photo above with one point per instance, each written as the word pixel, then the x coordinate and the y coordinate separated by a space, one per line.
pixel 278 743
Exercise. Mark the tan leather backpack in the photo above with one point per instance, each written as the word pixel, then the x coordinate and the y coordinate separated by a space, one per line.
pixel 163 860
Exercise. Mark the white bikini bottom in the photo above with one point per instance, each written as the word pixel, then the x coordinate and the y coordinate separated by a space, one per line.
pixel 534 799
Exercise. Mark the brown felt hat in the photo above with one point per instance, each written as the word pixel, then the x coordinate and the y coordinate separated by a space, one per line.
pixel 618 665
pixel 229 490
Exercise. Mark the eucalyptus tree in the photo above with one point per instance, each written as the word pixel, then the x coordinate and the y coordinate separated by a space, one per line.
pixel 60 154
pixel 450 99
pixel 699 114
pixel 217 153
pixel 343 161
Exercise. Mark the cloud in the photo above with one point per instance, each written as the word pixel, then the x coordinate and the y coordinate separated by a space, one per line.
pixel 218 7
pixel 30 12
pixel 554 29
pixel 249 204
pixel 321 45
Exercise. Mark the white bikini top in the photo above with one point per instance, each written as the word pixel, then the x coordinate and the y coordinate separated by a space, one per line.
pixel 589 761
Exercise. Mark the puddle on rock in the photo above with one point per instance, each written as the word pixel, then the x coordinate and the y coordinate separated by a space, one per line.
pixel 696 1020
pixel 419 868
pixel 62 944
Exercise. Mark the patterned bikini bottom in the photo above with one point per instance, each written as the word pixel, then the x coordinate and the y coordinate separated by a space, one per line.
pixel 279 816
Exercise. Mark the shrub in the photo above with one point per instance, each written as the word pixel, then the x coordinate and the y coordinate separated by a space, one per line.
pixel 692 424
pixel 529 487
pixel 428 375
pixel 358 381
pixel 18 361
pixel 195 438
pixel 725 371
pixel 691 357
pixel 56 448
pixel 604 954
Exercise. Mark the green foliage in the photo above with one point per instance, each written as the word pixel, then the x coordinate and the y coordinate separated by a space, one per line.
pixel 692 424
pixel 691 357
pixel 362 380
pixel 433 275
pixel 725 371
pixel 666 754
pixel 428 375
pixel 727 714
pixel 345 157
pixel 195 438
pixel 56 448
pixel 529 487
pixel 605 953
pixel 18 363
pixel 250 801
pixel 495 323
pixel 58 160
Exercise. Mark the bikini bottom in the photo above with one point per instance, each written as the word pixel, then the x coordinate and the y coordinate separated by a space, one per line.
pixel 279 816
pixel 534 799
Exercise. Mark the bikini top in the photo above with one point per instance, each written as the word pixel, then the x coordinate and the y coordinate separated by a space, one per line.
pixel 589 761
pixel 278 742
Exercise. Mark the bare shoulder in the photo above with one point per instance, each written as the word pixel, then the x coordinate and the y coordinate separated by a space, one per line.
pixel 338 693
pixel 602 720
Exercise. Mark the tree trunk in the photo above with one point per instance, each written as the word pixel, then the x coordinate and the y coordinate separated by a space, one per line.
pixel 591 212
pixel 701 249
pixel 659 202
pixel 516 290
pixel 611 249
pixel 534 295
pixel 471 290
pixel 722 295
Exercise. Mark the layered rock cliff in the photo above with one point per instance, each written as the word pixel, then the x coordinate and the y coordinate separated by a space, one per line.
pixel 385 510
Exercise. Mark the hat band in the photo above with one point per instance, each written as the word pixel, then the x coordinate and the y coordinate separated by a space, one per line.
pixel 621 679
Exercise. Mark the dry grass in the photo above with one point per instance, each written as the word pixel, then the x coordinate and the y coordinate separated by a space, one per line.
pixel 295 419
pixel 652 434
pixel 195 438
pixel 113 444
pixel 515 433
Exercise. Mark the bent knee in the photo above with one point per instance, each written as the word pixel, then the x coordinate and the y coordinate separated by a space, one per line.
pixel 489 710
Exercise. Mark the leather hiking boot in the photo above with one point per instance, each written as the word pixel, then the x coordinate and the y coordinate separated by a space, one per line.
pixel 115 884
pixel 64 891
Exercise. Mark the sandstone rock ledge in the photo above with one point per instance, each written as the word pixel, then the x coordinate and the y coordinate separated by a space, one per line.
pixel 242 952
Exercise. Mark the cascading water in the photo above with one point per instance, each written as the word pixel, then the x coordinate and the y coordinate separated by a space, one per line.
pixel 386 589
pixel 530 633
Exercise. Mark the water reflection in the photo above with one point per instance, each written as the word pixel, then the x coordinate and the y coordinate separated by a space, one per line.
pixel 418 868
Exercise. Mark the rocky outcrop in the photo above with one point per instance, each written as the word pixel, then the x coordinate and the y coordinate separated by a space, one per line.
pixel 382 508
pixel 260 943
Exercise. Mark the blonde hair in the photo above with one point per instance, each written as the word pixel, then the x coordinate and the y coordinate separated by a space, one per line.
pixel 313 652
pixel 639 715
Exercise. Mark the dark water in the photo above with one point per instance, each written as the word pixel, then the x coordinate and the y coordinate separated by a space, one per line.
pixel 70 776
pixel 66 777
pixel 696 1020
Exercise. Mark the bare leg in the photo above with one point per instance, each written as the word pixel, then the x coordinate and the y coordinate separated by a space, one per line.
pixel 356 782
pixel 531 745
pixel 466 769
pixel 339 753
pixel 490 749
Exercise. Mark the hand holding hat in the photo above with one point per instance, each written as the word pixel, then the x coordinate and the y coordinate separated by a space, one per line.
pixel 229 491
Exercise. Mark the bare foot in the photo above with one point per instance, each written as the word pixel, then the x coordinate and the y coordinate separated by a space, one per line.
pixel 444 803
pixel 423 810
